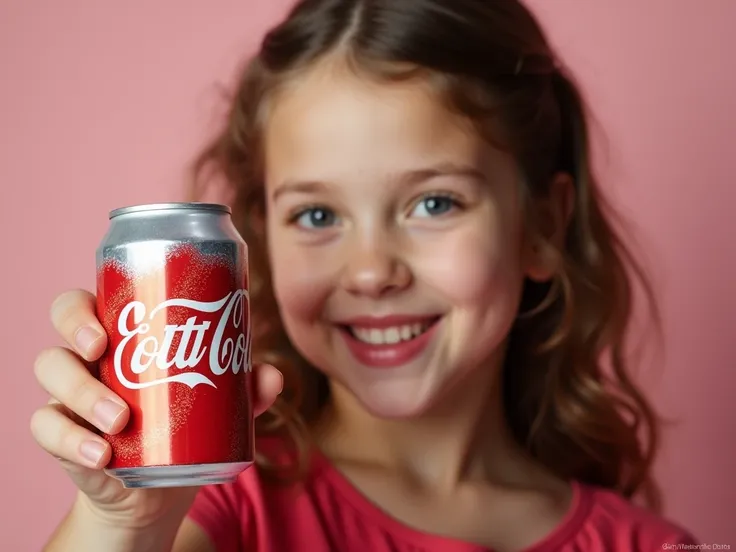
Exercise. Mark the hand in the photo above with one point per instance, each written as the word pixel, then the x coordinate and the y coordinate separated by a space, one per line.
pixel 80 402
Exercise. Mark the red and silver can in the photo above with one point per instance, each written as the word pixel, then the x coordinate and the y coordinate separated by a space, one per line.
pixel 172 295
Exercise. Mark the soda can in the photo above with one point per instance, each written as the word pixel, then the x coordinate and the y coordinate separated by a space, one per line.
pixel 172 295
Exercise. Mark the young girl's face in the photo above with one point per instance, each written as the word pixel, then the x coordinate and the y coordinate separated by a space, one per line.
pixel 395 238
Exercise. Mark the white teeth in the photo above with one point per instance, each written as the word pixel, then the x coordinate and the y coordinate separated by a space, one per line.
pixel 390 336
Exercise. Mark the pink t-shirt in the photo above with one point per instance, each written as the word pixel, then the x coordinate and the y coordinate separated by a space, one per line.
pixel 327 513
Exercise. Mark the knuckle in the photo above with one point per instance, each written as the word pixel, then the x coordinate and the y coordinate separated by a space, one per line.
pixel 66 307
pixel 67 441
pixel 46 360
pixel 55 433
pixel 43 429
pixel 38 423
pixel 84 392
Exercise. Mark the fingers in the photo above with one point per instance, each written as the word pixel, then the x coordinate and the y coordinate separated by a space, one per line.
pixel 269 384
pixel 65 377
pixel 61 437
pixel 73 314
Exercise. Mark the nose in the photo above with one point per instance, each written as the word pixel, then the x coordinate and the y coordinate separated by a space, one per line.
pixel 374 269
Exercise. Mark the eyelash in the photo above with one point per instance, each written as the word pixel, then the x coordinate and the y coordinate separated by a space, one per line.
pixel 452 198
pixel 296 213
pixel 455 201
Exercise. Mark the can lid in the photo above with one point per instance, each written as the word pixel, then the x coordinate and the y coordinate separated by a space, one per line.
pixel 173 206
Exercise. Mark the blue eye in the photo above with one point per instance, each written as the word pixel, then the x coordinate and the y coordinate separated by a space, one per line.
pixel 315 217
pixel 433 206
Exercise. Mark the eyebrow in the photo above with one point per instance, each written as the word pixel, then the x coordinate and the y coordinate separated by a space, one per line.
pixel 412 177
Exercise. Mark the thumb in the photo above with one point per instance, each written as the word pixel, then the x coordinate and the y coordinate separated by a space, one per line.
pixel 269 382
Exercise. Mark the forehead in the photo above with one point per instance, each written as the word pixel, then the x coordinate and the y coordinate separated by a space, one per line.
pixel 331 122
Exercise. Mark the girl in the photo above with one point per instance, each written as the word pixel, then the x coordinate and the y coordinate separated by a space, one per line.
pixel 434 275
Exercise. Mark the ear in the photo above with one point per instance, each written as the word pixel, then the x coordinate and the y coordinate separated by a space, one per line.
pixel 551 219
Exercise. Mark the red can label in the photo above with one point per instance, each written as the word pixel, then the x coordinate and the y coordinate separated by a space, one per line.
pixel 179 355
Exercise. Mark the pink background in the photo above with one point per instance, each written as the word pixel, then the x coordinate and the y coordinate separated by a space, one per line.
pixel 102 103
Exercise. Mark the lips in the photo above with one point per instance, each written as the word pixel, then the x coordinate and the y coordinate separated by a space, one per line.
pixel 389 341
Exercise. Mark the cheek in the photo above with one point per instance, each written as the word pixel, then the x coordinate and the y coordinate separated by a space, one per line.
pixel 300 282
pixel 302 286
pixel 474 269
pixel 480 278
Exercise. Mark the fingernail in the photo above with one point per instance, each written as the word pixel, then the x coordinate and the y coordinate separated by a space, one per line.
pixel 92 451
pixel 106 412
pixel 282 382
pixel 86 337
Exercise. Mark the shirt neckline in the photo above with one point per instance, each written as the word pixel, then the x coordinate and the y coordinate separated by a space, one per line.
pixel 566 529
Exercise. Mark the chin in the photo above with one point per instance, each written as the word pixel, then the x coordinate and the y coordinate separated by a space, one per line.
pixel 395 402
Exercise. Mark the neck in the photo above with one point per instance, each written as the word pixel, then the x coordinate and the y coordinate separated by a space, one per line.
pixel 463 438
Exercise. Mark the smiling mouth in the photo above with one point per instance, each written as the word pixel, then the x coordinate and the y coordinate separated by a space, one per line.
pixel 391 341
pixel 390 335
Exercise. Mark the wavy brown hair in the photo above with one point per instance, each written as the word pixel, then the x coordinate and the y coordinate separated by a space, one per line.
pixel 568 396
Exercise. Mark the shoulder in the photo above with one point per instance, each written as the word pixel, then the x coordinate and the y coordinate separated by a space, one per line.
pixel 614 523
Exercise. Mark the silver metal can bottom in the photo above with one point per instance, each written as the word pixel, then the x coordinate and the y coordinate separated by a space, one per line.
pixel 152 477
